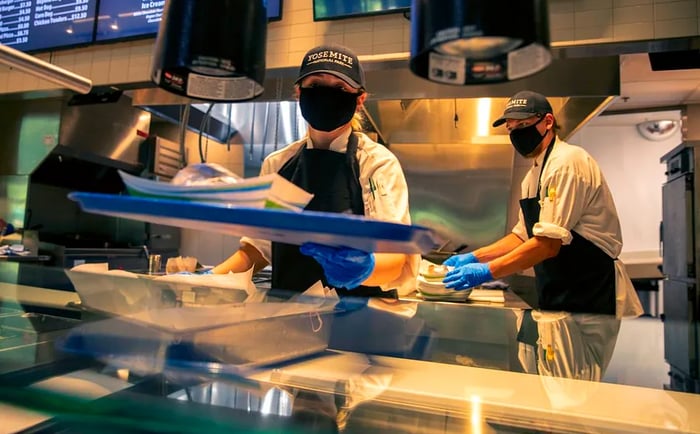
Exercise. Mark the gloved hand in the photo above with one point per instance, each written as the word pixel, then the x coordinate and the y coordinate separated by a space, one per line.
pixel 344 267
pixel 466 276
pixel 459 260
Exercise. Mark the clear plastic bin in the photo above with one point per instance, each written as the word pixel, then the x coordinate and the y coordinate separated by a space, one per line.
pixel 242 337
pixel 117 292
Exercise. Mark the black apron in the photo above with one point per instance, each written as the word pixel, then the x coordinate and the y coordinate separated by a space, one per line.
pixel 581 278
pixel 334 180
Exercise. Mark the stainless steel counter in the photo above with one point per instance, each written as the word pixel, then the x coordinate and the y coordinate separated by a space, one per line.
pixel 407 366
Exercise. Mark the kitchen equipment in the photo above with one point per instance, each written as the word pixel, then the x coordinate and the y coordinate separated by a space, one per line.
pixel 222 58
pixel 154 263
pixel 681 298
pixel 438 256
pixel 462 43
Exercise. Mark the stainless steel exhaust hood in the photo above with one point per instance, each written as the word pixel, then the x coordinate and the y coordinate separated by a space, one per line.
pixel 65 146
pixel 106 134
pixel 580 88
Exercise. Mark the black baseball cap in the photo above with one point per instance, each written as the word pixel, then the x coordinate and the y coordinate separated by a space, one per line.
pixel 523 105
pixel 336 60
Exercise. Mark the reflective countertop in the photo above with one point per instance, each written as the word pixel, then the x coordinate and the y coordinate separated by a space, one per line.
pixel 377 366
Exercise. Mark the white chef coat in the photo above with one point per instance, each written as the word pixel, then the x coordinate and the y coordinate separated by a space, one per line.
pixel 575 197
pixel 384 193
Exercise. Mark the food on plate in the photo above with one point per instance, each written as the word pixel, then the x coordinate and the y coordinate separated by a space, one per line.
pixel 435 272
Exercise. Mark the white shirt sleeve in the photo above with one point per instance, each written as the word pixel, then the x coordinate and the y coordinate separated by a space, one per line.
pixel 519 229
pixel 527 185
pixel 563 200
pixel 385 194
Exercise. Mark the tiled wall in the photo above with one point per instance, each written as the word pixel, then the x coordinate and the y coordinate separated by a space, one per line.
pixel 572 21
pixel 595 21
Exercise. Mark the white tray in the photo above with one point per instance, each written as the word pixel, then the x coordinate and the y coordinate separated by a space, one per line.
pixel 277 225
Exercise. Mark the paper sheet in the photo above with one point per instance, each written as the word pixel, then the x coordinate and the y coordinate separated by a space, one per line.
pixel 241 281
pixel 489 295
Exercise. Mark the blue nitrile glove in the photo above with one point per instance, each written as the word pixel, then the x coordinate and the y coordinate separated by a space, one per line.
pixel 467 276
pixel 344 267
pixel 459 260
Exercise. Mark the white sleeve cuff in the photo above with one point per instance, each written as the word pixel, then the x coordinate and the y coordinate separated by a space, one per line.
pixel 549 230
pixel 520 232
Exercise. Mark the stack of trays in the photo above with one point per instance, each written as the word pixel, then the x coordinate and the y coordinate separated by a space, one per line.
pixel 269 191
pixel 431 287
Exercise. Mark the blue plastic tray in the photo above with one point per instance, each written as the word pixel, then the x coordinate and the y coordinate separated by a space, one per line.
pixel 269 224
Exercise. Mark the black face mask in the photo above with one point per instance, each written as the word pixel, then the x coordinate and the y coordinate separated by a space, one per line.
pixel 525 140
pixel 327 108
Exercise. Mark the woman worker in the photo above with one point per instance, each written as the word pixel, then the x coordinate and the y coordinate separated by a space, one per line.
pixel 346 172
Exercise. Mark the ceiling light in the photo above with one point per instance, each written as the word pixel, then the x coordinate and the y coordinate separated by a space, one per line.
pixel 221 58
pixel 464 42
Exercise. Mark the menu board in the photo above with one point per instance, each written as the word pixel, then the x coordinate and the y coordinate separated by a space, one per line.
pixel 337 9
pixel 123 19
pixel 43 24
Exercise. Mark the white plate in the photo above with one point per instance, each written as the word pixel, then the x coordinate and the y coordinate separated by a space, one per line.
pixel 269 191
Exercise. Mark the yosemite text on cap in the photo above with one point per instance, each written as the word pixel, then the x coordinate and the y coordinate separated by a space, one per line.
pixel 335 60
pixel 523 105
